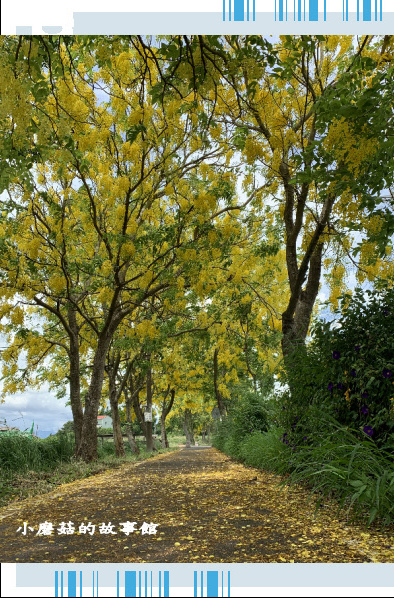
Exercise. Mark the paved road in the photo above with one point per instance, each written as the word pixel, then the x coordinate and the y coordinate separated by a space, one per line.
pixel 207 509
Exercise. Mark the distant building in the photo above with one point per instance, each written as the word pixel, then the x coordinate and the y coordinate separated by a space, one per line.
pixel 104 421
pixel 8 429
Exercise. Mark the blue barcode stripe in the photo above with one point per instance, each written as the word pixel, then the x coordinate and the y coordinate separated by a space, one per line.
pixel 130 583
pixel 212 583
pixel 239 10
pixel 313 10
pixel 72 583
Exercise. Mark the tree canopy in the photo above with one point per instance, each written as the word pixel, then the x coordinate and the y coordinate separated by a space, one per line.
pixel 170 205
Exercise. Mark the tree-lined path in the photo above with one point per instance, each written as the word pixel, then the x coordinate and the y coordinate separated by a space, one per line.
pixel 207 507
pixel 174 213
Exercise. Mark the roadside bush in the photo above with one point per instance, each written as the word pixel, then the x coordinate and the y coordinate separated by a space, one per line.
pixel 264 450
pixel 247 415
pixel 338 412
pixel 250 414
pixel 348 370
pixel 105 449
pixel 105 430
pixel 332 429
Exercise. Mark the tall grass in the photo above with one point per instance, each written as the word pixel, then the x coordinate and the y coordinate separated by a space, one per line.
pixel 33 466
pixel 358 474
pixel 334 462
pixel 20 453
pixel 264 450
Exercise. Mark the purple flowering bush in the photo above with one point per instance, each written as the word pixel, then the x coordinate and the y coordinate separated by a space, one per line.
pixel 340 408
pixel 347 370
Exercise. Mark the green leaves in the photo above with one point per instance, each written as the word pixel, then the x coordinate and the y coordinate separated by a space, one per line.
pixel 40 90
pixel 133 132
pixel 265 249
pixel 239 137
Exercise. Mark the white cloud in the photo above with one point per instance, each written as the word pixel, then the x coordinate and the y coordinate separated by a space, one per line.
pixel 47 412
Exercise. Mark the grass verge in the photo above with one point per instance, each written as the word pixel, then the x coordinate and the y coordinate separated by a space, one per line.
pixel 18 485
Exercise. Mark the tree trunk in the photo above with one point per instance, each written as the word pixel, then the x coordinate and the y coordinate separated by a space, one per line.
pixel 149 425
pixel 129 426
pixel 88 447
pixel 140 415
pixel 116 425
pixel 132 442
pixel 117 385
pixel 75 392
pixel 138 411
pixel 166 408
pixel 219 398
pixel 188 427
pixel 297 317
pixel 75 377
pixel 163 438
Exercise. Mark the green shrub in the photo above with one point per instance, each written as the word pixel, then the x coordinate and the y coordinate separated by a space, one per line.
pixel 333 462
pixel 222 434
pixel 232 447
pixel 264 450
pixel 246 415
pixel 338 413
pixel 250 414
pixel 105 449
pixel 333 427
pixel 105 430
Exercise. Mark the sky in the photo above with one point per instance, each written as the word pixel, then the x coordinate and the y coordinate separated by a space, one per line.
pixel 38 406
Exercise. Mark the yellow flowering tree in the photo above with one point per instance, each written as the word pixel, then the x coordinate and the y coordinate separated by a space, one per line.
pixel 277 106
pixel 111 218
